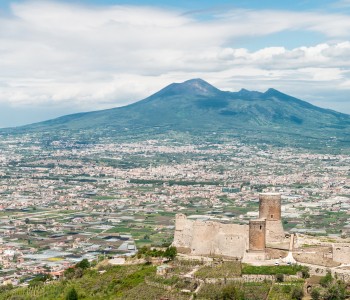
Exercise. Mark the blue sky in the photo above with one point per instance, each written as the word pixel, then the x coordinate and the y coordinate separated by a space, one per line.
pixel 61 57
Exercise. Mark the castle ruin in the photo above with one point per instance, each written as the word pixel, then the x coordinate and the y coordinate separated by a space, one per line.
pixel 233 240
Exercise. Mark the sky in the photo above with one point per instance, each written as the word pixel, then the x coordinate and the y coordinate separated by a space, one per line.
pixel 61 57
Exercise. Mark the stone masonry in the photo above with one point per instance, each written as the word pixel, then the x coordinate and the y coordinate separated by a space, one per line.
pixel 215 238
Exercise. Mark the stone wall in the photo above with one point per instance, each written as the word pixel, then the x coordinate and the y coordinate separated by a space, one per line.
pixel 214 238
pixel 341 253
pixel 210 238
pixel 183 233
pixel 342 274
pixel 274 232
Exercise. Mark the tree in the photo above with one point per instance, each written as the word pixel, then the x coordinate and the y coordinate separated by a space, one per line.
pixel 69 273
pixel 170 253
pixel 72 294
pixel 315 294
pixel 84 264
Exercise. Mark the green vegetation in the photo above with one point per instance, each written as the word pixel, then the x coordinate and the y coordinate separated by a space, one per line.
pixel 72 294
pixel 337 220
pixel 222 270
pixel 185 266
pixel 169 253
pixel 113 283
pixel 286 291
pixel 185 114
pixel 316 294
pixel 141 282
pixel 39 280
pixel 273 270
pixel 236 291
pixel 331 289
pixel 326 280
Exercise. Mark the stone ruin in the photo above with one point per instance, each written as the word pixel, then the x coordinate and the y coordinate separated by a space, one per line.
pixel 233 240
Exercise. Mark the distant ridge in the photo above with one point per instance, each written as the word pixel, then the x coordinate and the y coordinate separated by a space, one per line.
pixel 196 107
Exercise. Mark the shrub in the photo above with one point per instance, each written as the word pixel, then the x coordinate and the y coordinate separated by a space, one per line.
pixel 326 280
pixel 315 294
pixel 336 292
pixel 170 253
pixel 231 292
pixel 72 294
pixel 287 289
pixel 305 272
pixel 279 277
pixel 84 264
pixel 297 293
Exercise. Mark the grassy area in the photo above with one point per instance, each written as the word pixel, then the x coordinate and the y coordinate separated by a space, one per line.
pixel 185 266
pixel 146 292
pixel 284 291
pixel 222 270
pixel 271 270
pixel 144 235
pixel 256 290
pixel 246 291
pixel 115 283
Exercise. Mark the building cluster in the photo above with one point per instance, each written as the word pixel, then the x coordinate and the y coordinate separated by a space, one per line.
pixel 62 201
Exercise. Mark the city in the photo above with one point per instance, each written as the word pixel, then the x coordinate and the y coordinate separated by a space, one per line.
pixel 61 203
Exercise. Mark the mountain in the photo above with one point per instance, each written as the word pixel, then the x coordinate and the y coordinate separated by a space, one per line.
pixel 198 108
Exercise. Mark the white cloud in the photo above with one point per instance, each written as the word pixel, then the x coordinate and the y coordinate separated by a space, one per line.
pixel 96 57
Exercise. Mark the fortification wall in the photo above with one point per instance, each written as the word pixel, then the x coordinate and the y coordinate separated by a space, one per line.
pixel 183 233
pixel 214 238
pixel 341 253
pixel 274 232
pixel 211 238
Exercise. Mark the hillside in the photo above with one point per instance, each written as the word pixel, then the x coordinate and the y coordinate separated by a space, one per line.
pixel 195 107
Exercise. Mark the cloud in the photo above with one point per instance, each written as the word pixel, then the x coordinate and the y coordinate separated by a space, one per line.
pixel 342 4
pixel 83 57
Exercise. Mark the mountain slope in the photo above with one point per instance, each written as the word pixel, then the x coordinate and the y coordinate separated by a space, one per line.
pixel 197 107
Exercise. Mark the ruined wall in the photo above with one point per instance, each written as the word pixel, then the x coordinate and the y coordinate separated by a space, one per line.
pixel 257 235
pixel 183 233
pixel 274 232
pixel 214 238
pixel 210 238
pixel 341 253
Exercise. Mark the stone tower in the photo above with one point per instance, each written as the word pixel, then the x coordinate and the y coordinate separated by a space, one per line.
pixel 257 235
pixel 270 206
pixel 270 210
